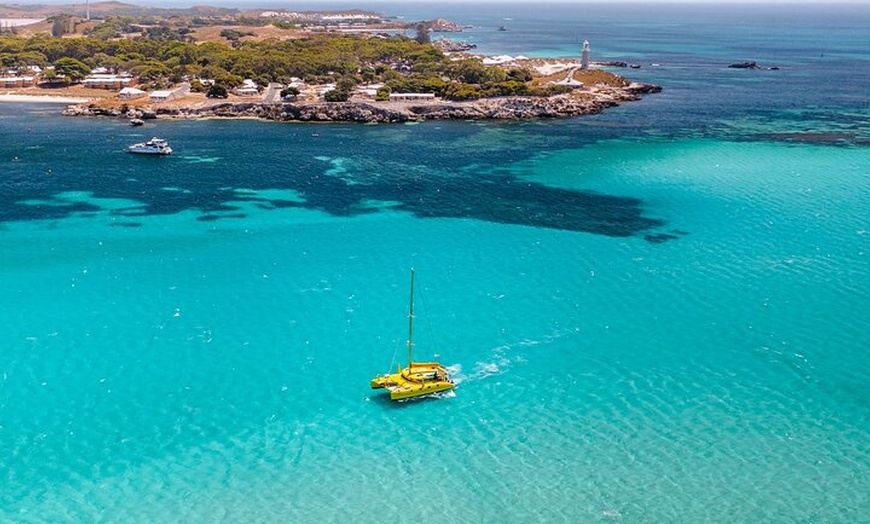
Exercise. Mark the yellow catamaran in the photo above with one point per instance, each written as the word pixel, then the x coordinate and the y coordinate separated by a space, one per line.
pixel 419 378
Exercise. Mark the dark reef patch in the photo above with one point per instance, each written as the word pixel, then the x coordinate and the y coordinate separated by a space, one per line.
pixel 822 138
pixel 446 170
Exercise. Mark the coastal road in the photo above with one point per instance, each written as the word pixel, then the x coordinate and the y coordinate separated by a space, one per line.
pixel 273 93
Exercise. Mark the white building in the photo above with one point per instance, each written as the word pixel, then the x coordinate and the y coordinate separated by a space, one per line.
pixel 108 81
pixel 165 96
pixel 248 88
pixel 161 96
pixel 131 93
pixel 18 81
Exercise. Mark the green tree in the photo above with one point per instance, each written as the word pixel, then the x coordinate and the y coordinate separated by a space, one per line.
pixel 152 70
pixel 72 69
pixel 31 58
pixel 346 83
pixel 290 92
pixel 460 91
pixel 401 63
pixel 383 93
pixel 508 88
pixel 336 95
pixel 229 81
pixel 217 91
pixel 9 60
pixel 472 71
pixel 104 31
pixel 104 60
pixel 50 75
pixel 519 74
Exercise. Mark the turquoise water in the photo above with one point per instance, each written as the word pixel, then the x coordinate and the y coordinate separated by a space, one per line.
pixel 655 315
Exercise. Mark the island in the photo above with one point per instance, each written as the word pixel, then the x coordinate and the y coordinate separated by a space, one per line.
pixel 357 66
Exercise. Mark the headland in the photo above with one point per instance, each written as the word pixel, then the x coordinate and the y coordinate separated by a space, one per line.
pixel 604 90
pixel 353 66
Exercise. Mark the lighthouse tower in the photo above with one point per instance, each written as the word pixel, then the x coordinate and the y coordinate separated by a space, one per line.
pixel 584 56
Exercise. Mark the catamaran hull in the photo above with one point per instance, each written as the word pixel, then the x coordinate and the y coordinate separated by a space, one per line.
pixel 402 393
pixel 424 378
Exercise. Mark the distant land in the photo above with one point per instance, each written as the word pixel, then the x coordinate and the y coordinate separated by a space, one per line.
pixel 97 10
pixel 131 61
pixel 102 9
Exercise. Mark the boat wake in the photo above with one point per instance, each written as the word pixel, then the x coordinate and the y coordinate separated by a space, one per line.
pixel 498 364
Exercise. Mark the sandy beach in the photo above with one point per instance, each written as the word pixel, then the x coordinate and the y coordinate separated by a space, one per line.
pixel 13 97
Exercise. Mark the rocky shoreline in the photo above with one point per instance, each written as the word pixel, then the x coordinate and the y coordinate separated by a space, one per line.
pixel 504 108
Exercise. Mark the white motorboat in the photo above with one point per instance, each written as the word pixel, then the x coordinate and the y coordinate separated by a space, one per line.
pixel 155 146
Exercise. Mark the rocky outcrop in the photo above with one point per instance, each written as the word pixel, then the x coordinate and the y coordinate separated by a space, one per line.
pixel 440 25
pixel 751 65
pixel 638 89
pixel 452 46
pixel 504 108
pixel 617 63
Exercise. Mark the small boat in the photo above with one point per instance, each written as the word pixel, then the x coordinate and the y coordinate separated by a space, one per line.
pixel 155 146
pixel 502 28
pixel 137 122
pixel 419 378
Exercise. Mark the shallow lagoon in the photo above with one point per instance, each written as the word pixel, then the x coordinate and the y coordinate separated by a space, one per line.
pixel 655 314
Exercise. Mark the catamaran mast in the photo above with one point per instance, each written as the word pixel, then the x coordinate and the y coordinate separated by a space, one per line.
pixel 411 323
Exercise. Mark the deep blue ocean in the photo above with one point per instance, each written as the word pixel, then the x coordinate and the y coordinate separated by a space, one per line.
pixel 655 314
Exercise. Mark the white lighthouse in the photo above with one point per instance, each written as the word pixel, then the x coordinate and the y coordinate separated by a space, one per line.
pixel 584 56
